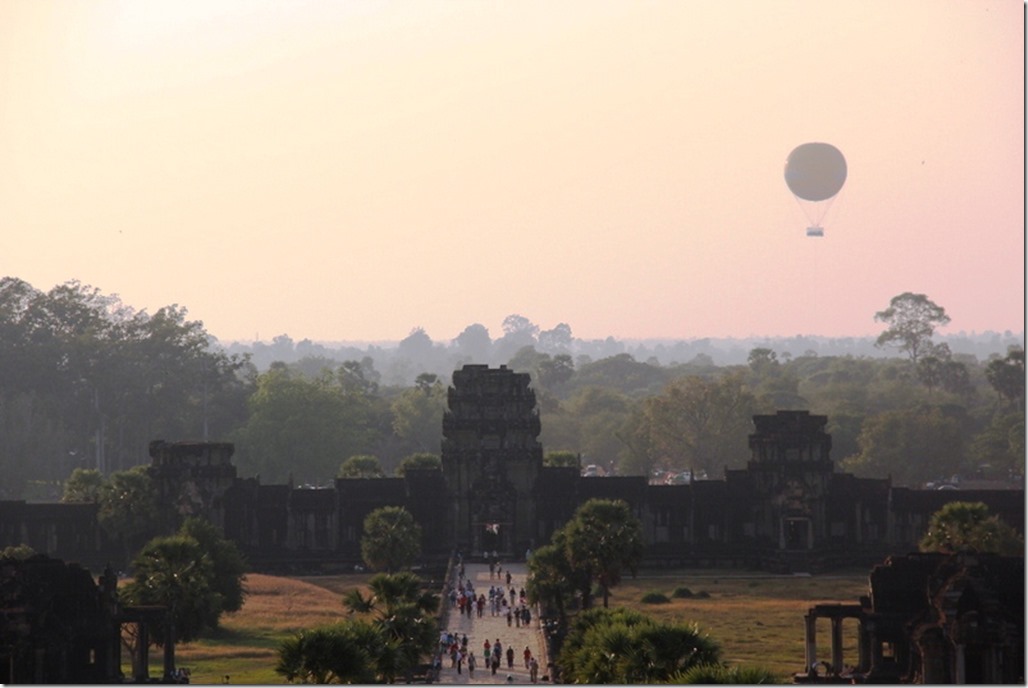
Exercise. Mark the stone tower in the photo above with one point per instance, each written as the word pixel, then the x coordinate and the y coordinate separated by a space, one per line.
pixel 491 460
pixel 191 480
pixel 791 469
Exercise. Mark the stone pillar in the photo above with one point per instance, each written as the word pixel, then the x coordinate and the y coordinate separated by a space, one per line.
pixel 141 658
pixel 837 645
pixel 863 649
pixel 810 651
pixel 876 651
pixel 169 646
pixel 934 657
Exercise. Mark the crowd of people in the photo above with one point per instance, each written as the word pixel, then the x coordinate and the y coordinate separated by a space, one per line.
pixel 501 600
pixel 493 656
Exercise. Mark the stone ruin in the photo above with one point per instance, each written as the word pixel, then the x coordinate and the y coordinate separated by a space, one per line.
pixel 787 510
pixel 61 626
pixel 928 618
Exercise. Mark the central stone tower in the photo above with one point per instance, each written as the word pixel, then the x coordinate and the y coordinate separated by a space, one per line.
pixel 491 460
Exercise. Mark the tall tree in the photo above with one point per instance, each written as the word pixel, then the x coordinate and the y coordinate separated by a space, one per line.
pixel 912 446
pixel 128 507
pixel 556 341
pixel 176 572
pixel 911 319
pixel 1000 446
pixel 359 377
pixel 417 346
pixel 640 455
pixel 702 424
pixel 518 332
pixel 552 580
pixel 963 526
pixel 418 415
pixel 392 539
pixel 84 485
pixel 604 538
pixel 93 381
pixel 474 344
pixel 937 368
pixel 300 427
pixel 554 373
pixel 228 565
pixel 1007 376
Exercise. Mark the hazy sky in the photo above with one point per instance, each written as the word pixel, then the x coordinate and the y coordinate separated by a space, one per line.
pixel 351 170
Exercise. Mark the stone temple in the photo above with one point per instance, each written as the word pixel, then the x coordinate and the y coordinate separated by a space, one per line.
pixel 787 510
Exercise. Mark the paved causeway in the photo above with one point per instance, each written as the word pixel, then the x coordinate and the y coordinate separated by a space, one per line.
pixel 480 628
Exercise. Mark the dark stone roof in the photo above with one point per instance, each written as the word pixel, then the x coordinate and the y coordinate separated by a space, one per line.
pixel 631 488
pixel 385 490
pixel 321 499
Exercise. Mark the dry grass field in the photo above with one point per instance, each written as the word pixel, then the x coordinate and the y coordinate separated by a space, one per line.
pixel 246 646
pixel 757 619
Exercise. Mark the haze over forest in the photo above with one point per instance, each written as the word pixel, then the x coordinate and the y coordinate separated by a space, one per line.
pixel 400 362
pixel 91 381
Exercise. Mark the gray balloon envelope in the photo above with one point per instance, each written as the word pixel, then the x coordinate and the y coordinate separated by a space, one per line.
pixel 815 171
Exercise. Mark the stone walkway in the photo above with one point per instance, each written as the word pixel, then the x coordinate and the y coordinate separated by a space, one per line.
pixel 493 627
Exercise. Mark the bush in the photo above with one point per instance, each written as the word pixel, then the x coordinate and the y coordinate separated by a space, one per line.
pixel 681 592
pixel 655 598
pixel 714 674
pixel 627 647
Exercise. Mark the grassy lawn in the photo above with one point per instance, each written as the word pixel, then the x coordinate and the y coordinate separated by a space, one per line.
pixel 246 646
pixel 757 619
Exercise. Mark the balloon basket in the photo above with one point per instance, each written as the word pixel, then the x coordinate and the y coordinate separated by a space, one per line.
pixel 815 231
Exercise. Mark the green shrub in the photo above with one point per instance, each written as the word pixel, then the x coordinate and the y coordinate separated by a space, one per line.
pixel 718 674
pixel 655 598
pixel 682 592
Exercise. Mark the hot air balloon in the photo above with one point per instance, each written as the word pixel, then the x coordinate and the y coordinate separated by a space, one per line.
pixel 815 172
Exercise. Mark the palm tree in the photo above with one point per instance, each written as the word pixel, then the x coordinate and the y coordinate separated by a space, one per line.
pixel 604 537
pixel 627 647
pixel 339 654
pixel 175 572
pixel 403 612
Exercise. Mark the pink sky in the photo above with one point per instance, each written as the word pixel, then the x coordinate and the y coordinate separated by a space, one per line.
pixel 351 170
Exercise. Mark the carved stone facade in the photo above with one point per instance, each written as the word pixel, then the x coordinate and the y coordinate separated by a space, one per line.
pixel 492 460
pixel 192 478
pixel 787 510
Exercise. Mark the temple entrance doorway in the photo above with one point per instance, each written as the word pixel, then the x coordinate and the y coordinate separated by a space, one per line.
pixel 492 523
pixel 489 537
pixel 796 534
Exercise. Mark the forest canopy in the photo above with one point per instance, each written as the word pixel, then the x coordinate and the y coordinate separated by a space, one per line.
pixel 89 381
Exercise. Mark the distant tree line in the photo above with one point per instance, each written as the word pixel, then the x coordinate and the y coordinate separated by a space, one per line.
pixel 398 362
pixel 88 382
